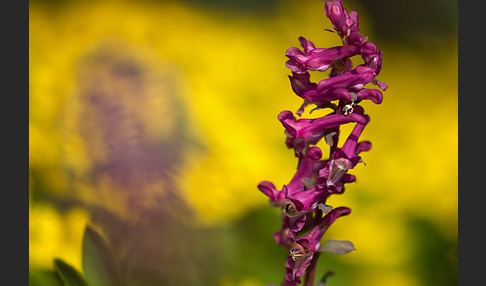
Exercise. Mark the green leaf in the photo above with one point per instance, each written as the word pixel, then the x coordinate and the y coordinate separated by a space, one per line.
pixel 38 276
pixel 69 276
pixel 99 265
pixel 338 246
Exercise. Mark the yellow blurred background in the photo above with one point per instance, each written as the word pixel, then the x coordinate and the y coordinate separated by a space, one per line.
pixel 157 119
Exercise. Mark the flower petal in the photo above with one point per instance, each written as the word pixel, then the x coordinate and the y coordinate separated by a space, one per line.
pixel 312 128
pixel 268 188
pixel 374 95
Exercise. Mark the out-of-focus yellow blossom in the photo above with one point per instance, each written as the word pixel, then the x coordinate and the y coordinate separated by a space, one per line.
pixel 55 235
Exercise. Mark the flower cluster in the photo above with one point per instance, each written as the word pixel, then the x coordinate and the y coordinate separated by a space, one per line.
pixel 305 214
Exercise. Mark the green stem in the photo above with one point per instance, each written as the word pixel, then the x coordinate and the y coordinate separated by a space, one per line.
pixel 311 270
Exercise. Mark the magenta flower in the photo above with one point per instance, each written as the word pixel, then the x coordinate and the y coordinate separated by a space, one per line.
pixel 305 214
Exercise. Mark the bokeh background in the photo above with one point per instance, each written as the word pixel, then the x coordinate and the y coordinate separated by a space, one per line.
pixel 155 120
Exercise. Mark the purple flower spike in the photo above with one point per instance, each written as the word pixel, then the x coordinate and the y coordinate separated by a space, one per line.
pixel 305 214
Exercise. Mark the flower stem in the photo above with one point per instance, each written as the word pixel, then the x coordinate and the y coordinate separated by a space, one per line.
pixel 311 271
